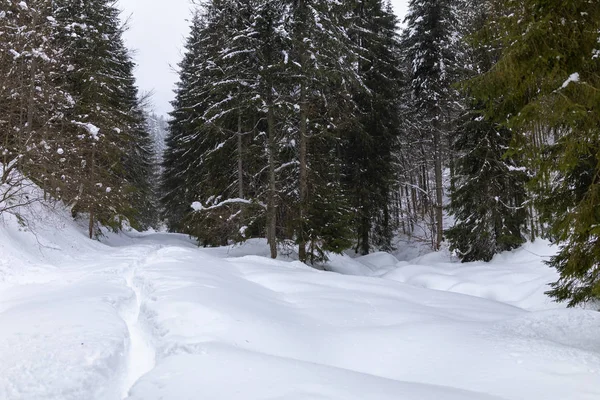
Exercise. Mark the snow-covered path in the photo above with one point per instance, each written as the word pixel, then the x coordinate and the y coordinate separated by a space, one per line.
pixel 153 317
pixel 141 354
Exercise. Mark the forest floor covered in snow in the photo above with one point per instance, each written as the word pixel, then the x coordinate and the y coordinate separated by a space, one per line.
pixel 148 316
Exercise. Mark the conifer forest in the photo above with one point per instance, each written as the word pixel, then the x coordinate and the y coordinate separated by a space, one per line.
pixel 323 126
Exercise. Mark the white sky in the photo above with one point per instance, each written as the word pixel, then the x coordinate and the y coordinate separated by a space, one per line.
pixel 157 31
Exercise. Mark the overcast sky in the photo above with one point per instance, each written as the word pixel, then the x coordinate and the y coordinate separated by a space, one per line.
pixel 157 31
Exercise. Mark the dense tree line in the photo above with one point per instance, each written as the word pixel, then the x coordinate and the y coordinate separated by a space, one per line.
pixel 70 116
pixel 321 125
pixel 545 88
pixel 315 124
pixel 284 125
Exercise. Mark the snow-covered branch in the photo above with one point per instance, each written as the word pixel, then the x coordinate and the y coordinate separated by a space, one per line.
pixel 198 207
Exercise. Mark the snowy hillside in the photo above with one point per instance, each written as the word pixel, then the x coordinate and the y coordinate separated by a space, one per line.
pixel 150 316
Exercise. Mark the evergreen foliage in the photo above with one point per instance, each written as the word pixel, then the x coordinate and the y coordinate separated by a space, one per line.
pixel 315 125
pixel 546 84
pixel 73 121
pixel 32 100
pixel 432 55
pixel 488 196
pixel 176 193
pixel 488 201
pixel 371 143
pixel 271 90
pixel 111 148
pixel 323 64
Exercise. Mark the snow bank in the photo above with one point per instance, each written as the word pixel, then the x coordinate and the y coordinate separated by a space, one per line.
pixel 518 278
pixel 225 372
pixel 148 316
pixel 62 341
pixel 63 306
pixel 36 236
pixel 248 327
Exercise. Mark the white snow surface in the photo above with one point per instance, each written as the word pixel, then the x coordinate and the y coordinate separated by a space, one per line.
pixel 149 316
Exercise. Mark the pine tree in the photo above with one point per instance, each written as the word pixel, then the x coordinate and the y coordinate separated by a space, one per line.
pixel 32 99
pixel 157 127
pixel 370 147
pixel 431 53
pixel 139 168
pixel 267 116
pixel 324 58
pixel 109 148
pixel 240 54
pixel 488 192
pixel 488 201
pixel 241 154
pixel 179 161
pixel 547 84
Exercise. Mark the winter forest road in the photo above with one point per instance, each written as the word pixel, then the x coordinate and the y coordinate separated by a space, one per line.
pixel 151 317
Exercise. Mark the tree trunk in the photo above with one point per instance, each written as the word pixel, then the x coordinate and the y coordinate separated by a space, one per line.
pixel 91 223
pixel 271 197
pixel 92 178
pixel 31 99
pixel 299 37
pixel 439 189
pixel 451 163
pixel 240 149
pixel 303 176
pixel 365 227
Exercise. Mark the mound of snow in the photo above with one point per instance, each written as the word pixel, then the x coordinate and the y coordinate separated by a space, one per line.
pixel 36 234
pixel 149 316
pixel 519 277
pixel 254 328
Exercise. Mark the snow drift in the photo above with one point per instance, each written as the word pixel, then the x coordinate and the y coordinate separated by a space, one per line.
pixel 151 316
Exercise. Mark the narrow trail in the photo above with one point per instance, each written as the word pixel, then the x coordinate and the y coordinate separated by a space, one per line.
pixel 141 357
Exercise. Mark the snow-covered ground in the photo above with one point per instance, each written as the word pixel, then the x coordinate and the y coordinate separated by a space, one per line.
pixel 150 316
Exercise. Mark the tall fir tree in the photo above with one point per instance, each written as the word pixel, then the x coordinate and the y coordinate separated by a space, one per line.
pixel 547 84
pixel 74 121
pixel 324 59
pixel 488 197
pixel 157 127
pixel 370 146
pixel 266 102
pixel 110 151
pixel 431 54
pixel 179 161
pixel 33 101
pixel 488 200
pixel 231 91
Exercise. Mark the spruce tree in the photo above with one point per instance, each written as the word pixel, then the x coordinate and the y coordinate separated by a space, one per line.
pixel 109 147
pixel 267 116
pixel 369 147
pixel 431 54
pixel 179 160
pixel 33 100
pixel 266 102
pixel 157 127
pixel 488 192
pixel 547 84
pixel 231 133
pixel 323 58
pixel 488 199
